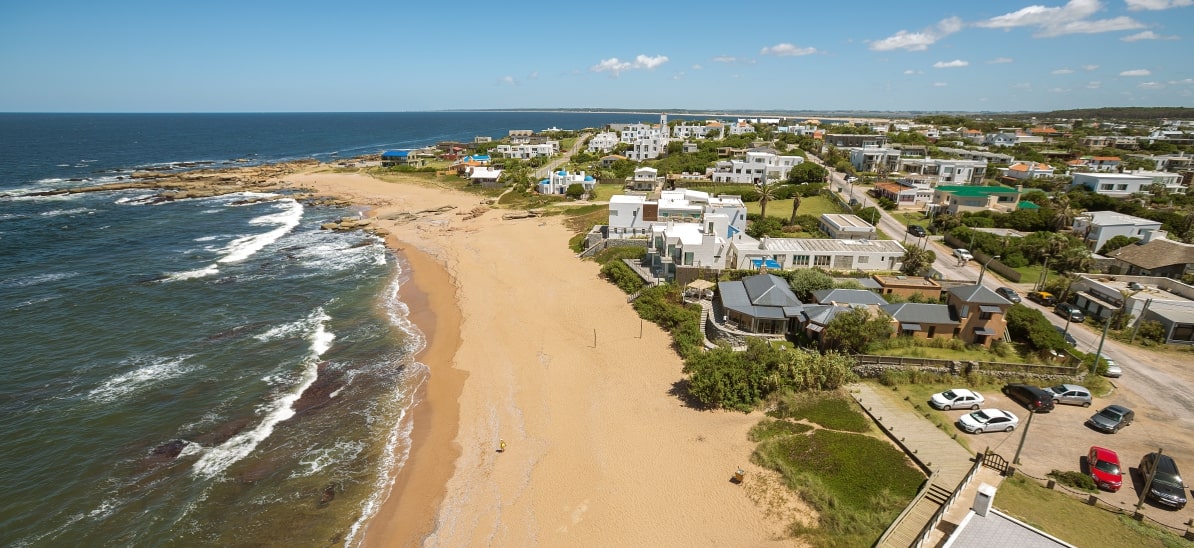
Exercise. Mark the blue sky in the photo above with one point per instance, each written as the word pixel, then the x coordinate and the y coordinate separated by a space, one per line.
pixel 216 56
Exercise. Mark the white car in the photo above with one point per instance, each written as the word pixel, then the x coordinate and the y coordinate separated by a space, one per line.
pixel 988 420
pixel 963 254
pixel 958 398
pixel 1113 369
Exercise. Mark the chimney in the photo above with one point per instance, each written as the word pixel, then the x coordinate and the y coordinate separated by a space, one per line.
pixel 983 499
pixel 1150 235
pixel 763 242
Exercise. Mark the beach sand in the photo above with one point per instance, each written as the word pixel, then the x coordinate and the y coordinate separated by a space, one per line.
pixel 528 345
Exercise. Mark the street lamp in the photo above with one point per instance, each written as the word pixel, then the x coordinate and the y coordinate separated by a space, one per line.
pixel 984 269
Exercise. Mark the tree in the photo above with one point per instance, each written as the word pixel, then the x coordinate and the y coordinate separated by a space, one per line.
pixel 795 206
pixel 853 330
pixel 1117 242
pixel 1030 326
pixel 766 194
pixel 575 191
pixel 1063 213
pixel 807 172
pixel 806 280
pixel 917 260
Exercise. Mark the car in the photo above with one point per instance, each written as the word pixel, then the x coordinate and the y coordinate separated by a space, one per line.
pixel 917 230
pixel 1104 468
pixel 1070 311
pixel 988 420
pixel 1166 486
pixel 959 398
pixel 1069 339
pixel 1109 367
pixel 1043 297
pixel 1071 394
pixel 963 254
pixel 1009 294
pixel 1033 398
pixel 1111 419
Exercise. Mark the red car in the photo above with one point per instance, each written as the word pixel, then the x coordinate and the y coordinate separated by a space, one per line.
pixel 1104 468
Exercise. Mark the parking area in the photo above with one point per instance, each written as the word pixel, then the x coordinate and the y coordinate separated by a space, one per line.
pixel 1059 440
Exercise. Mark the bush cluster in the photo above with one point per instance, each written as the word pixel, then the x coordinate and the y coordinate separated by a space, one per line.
pixel 622 276
pixel 1076 480
pixel 741 380
pixel 1030 326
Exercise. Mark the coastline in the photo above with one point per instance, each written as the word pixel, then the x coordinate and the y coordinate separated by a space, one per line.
pixel 552 359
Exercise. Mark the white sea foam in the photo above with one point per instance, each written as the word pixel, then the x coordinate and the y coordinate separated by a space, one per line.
pixel 207 238
pixel 37 279
pixel 208 270
pixel 246 246
pixel 217 459
pixel 318 458
pixel 73 211
pixel 149 370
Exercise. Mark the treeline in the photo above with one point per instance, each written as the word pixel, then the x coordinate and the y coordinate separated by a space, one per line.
pixel 1119 113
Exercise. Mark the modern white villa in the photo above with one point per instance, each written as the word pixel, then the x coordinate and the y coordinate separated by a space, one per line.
pixel 754 168
pixel 633 216
pixel 603 142
pixel 1121 185
pixel 559 181
pixel 528 151
pixel 795 253
pixel 1096 227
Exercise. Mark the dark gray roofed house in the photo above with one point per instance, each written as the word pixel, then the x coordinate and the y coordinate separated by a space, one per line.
pixel 980 312
pixel 847 296
pixel 762 303
pixel 977 294
pixel 924 321
pixel 1159 257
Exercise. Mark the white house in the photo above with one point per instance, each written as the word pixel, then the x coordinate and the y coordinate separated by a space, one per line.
pixel 645 178
pixel 757 166
pixel 633 215
pixel 693 131
pixel 1119 185
pixel 485 176
pixel 794 253
pixel 846 227
pixel 1099 226
pixel 1027 170
pixel 742 127
pixel 603 142
pixel 559 181
pixel 875 158
pixel 946 170
pixel 528 151
pixel 1104 164
pixel 675 244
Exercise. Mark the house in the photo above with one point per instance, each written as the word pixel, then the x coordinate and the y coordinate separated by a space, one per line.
pixel 1154 255
pixel 980 312
pixel 647 141
pixel 607 161
pixel 908 287
pixel 1096 142
pixel 485 176
pixel 983 525
pixel 923 321
pixel 1103 164
pixel 632 216
pixel 645 179
pixel 875 159
pixel 694 131
pixel 468 163
pixel 853 140
pixel 521 133
pixel 988 157
pixel 958 198
pixel 943 170
pixel 846 227
pixel 558 182
pixel 756 167
pixel 1122 185
pixel 1027 170
pixel 763 303
pixel 528 151
pixel 909 191
pixel 973 136
pixel 689 147
pixel 862 297
pixel 1164 300
pixel 603 142
pixel 741 127
pixel 1096 227
pixel 795 253
pixel 676 244
pixel 1169 162
pixel 400 158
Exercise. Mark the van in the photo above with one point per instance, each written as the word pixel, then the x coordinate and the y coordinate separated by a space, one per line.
pixel 1031 397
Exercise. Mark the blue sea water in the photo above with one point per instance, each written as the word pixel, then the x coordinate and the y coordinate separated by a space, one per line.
pixel 154 356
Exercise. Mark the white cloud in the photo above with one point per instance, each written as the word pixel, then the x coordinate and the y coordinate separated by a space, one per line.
pixel 533 76
pixel 1058 90
pixel 1094 85
pixel 507 80
pixel 1151 85
pixel 1136 72
pixel 999 60
pixel 1136 5
pixel 615 66
pixel 1187 82
pixel 787 50
pixel 1063 71
pixel 918 41
pixel 1022 85
pixel 697 67
pixel 1072 18
pixel 939 84
pixel 911 72
pixel 956 63
pixel 1147 35
pixel 1089 67
pixel 725 59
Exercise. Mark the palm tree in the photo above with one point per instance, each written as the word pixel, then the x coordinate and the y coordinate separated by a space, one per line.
pixel 1063 214
pixel 766 194
pixel 795 206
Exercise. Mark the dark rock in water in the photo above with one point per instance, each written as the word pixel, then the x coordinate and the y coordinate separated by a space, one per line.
pixel 167 451
pixel 223 433
pixel 237 331
pixel 329 494
pixel 320 392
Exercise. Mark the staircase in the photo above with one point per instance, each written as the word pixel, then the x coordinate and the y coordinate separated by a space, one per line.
pixel 912 522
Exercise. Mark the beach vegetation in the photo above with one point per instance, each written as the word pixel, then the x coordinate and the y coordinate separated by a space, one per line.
pixel 621 275
pixel 723 377
pixel 854 330
pixel 858 483
pixel 575 191
pixel 664 305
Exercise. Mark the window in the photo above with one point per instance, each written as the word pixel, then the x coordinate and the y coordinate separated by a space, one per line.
pixel 821 260
pixel 1105 186
pixel 984 316
pixel 800 260
pixel 688 255
pixel 1121 187
pixel 863 259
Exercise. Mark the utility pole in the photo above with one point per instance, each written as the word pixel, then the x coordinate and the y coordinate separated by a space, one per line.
pixel 1023 436
pixel 1099 352
pixel 1139 320
pixel 1149 481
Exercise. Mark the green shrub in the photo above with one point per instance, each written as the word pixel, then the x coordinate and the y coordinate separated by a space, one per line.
pixel 613 254
pixel 1152 330
pixel 621 275
pixel 741 380
pixel 1076 480
pixel 831 409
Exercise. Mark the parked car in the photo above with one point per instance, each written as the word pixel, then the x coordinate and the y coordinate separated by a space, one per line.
pixel 988 420
pixel 963 254
pixel 1033 398
pixel 1071 394
pixel 1110 369
pixel 917 230
pixel 1009 294
pixel 1071 311
pixel 1043 297
pixel 1069 339
pixel 959 398
pixel 1111 418
pixel 1104 468
pixel 1167 486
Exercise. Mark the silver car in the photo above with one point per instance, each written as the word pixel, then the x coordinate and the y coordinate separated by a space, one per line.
pixel 1071 394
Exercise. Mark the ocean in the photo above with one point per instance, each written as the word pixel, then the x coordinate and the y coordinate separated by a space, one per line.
pixel 154 355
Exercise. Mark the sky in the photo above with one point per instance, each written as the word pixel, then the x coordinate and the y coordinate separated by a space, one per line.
pixel 407 55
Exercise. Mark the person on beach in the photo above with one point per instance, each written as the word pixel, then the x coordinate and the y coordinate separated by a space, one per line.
pixel 501 446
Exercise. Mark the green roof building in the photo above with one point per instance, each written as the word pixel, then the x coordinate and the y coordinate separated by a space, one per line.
pixel 955 199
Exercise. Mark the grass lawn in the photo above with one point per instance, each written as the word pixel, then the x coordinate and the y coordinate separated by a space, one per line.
pixel 977 354
pixel 857 482
pixel 1075 522
pixel 602 192
pixel 910 218
pixel 815 206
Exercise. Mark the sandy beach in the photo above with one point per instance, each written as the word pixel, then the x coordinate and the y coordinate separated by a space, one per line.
pixel 527 344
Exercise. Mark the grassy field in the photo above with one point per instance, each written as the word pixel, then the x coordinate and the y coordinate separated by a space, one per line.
pixel 1075 522
pixel 815 206
pixel 602 192
pixel 857 482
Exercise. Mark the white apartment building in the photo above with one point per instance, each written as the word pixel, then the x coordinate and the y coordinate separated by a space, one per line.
pixel 633 215
pixel 794 253
pixel 528 151
pixel 603 142
pixel 947 171
pixel 1120 185
pixel 646 141
pixel 1099 226
pixel 559 181
pixel 693 131
pixel 875 158
pixel 756 167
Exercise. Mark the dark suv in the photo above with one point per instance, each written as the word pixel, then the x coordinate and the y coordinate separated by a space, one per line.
pixel 1167 487
pixel 1031 397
